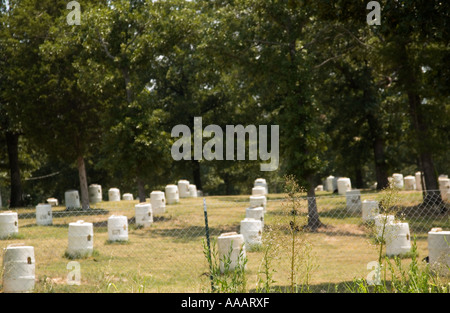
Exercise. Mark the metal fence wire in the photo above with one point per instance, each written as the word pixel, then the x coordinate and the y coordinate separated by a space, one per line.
pixel 123 246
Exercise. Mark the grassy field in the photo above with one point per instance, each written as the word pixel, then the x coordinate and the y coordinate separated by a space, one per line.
pixel 168 255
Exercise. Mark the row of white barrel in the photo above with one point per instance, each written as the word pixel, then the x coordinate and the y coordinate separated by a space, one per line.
pixel 174 192
pixel 415 183
pixel 19 262
pixel 395 234
pixel 232 246
pixel 343 184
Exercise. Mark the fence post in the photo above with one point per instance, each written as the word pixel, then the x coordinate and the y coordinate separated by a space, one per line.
pixel 208 243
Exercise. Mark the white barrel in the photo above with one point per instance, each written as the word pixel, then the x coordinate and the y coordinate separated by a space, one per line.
pixel 143 214
pixel 343 185
pixel 261 182
pixel 439 251
pixel 258 191
pixel 418 176
pixel 410 182
pixel 397 180
pixel 319 188
pixel 113 194
pixel 52 201
pixel 255 213
pixel 258 201
pixel 117 228
pixel 183 188
pixel 331 183
pixel 234 243
pixel 9 224
pixel 44 214
pixel 95 193
pixel 369 210
pixel 353 199
pixel 127 196
pixel 444 187
pixel 72 199
pixel 172 194
pixel 398 239
pixel 18 269
pixel 158 202
pixel 381 220
pixel 251 229
pixel 81 239
pixel 192 191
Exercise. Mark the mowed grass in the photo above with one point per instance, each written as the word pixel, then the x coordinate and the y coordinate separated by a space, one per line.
pixel 168 255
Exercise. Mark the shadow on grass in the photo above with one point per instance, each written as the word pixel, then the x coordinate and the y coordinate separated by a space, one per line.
pixel 336 213
pixel 327 287
pixel 188 234
pixel 66 213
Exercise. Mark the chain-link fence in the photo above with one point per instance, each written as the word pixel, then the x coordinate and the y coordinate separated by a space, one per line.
pixel 119 246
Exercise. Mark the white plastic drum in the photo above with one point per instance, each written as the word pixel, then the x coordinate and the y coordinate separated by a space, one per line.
pixel 183 188
pixel 114 194
pixel 18 269
pixel 439 251
pixel 44 214
pixel 331 183
pixel 398 239
pixel 127 196
pixel 397 180
pixel 95 193
pixel 251 229
pixel 418 177
pixel 52 201
pixel 353 199
pixel 158 202
pixel 9 224
pixel 369 210
pixel 117 228
pixel 381 220
pixel 143 214
pixel 261 182
pixel 343 185
pixel 172 195
pixel 72 199
pixel 81 239
pixel 255 213
pixel 444 187
pixel 410 182
pixel 192 191
pixel 234 243
pixel 258 201
pixel 258 191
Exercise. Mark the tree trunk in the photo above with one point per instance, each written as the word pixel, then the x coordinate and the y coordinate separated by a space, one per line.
pixel 378 144
pixel 313 214
pixel 196 174
pixel 12 143
pixel 141 190
pixel 227 182
pixel 408 79
pixel 432 192
pixel 359 181
pixel 83 183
